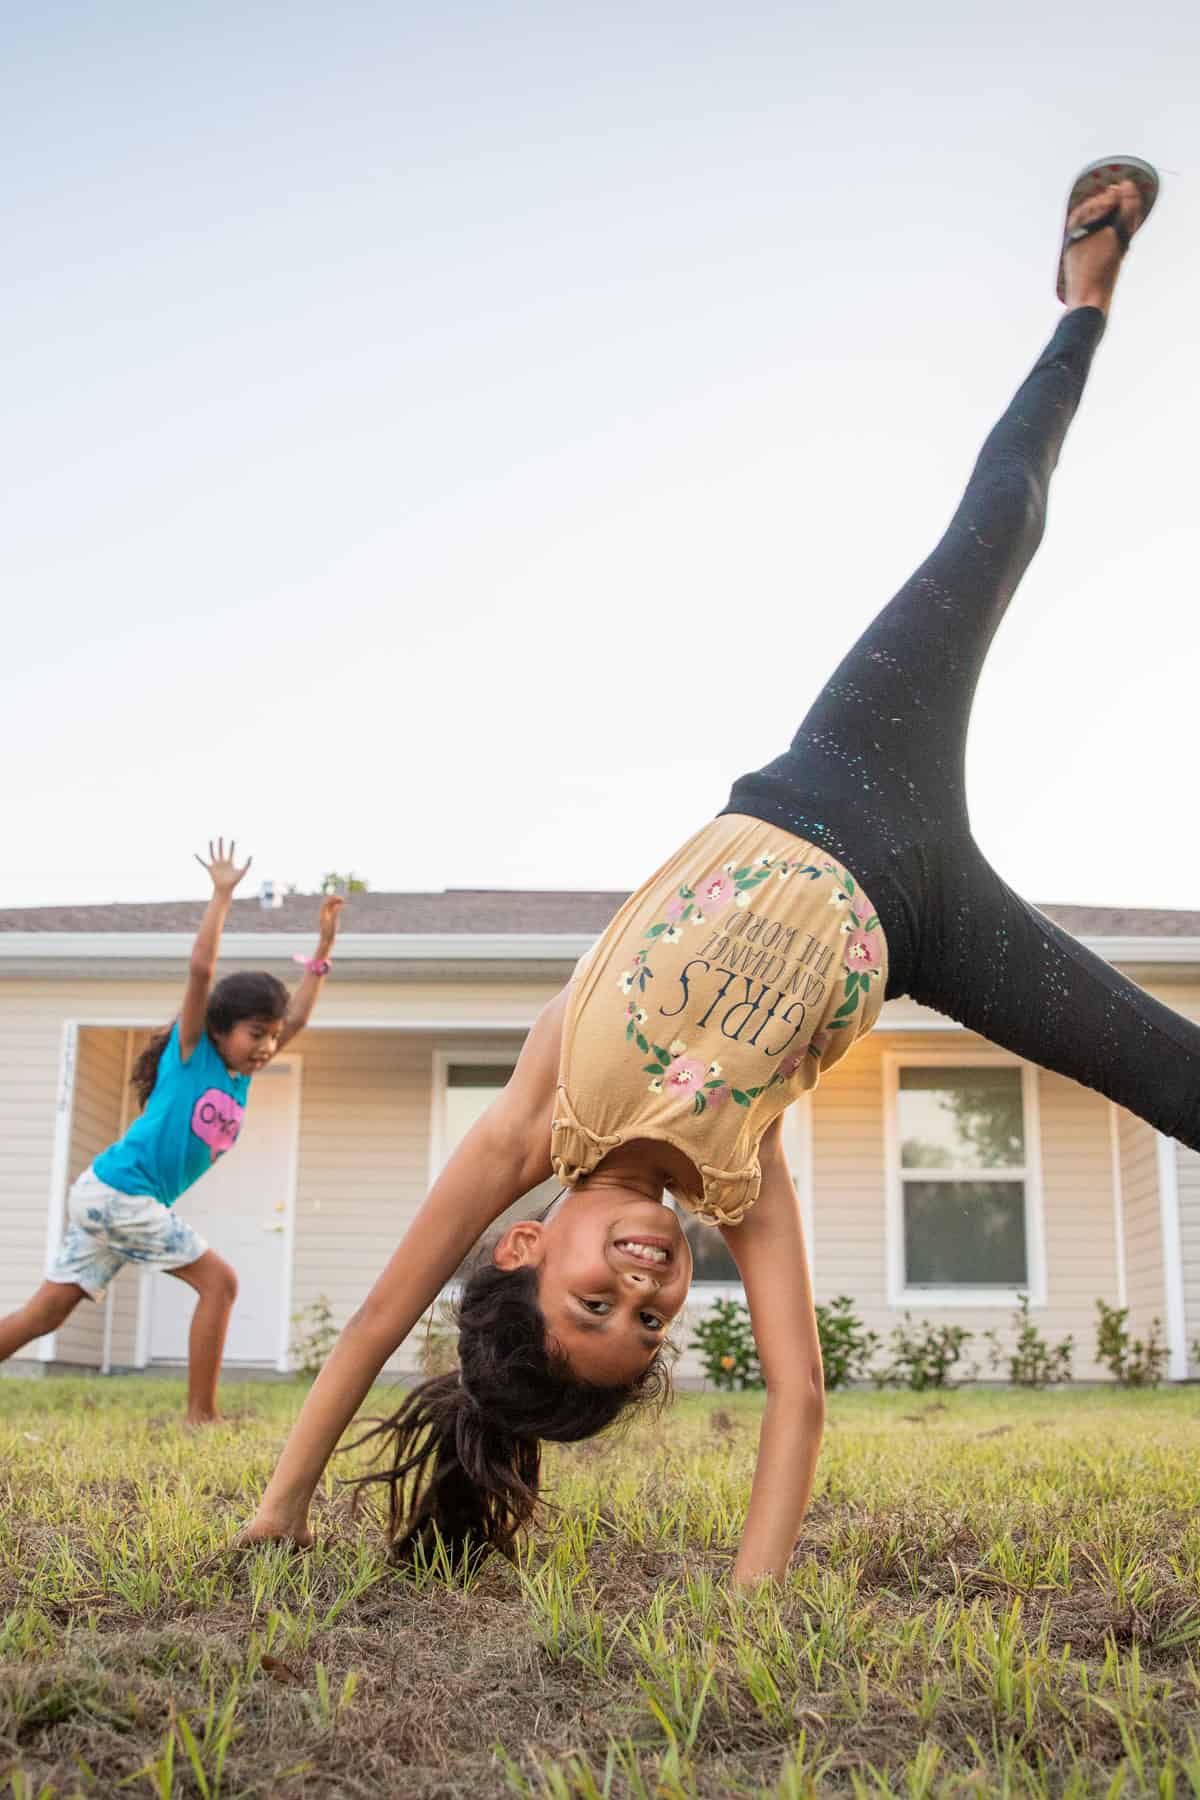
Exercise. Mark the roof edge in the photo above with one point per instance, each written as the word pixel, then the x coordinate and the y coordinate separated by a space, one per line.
pixel 281 946
pixel 461 946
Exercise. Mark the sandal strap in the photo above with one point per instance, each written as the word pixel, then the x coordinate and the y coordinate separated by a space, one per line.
pixel 1111 218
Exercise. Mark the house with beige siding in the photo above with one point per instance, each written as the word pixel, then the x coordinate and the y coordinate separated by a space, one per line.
pixel 938 1174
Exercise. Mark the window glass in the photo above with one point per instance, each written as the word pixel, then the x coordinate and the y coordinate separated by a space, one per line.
pixel 711 1261
pixel 962 1229
pixel 961 1118
pixel 965 1233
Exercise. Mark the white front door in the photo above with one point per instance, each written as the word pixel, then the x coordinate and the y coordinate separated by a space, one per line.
pixel 243 1208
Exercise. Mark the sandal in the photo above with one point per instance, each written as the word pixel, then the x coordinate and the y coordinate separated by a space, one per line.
pixel 1093 180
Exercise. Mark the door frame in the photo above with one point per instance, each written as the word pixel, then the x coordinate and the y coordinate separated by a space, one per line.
pixel 281 1362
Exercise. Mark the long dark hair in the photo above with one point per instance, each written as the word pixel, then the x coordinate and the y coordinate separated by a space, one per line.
pixel 464 1449
pixel 234 998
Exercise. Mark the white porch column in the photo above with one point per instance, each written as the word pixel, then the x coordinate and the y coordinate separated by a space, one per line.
pixel 64 1112
pixel 1172 1251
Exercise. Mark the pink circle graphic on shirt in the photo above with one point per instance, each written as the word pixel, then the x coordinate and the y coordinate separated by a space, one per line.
pixel 217 1120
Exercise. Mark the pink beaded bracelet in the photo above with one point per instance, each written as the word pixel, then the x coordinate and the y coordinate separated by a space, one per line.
pixel 316 965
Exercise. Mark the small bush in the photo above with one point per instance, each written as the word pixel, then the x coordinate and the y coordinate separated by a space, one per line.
pixel 725 1340
pixel 846 1345
pixel 1033 1360
pixel 1131 1361
pixel 923 1356
pixel 726 1345
pixel 313 1336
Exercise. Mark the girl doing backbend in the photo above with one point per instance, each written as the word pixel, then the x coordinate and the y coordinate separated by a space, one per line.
pixel 192 1081
pixel 842 873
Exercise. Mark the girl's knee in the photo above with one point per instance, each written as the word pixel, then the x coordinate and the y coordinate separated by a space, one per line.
pixel 1015 491
pixel 212 1275
pixel 227 1283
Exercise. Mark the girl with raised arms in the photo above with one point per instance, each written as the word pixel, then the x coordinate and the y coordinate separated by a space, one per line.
pixel 841 873
pixel 192 1081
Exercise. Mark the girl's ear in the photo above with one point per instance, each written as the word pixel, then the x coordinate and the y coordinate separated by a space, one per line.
pixel 521 1246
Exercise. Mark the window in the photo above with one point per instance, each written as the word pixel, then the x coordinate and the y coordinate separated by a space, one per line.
pixel 963 1161
pixel 467 1090
pixel 711 1261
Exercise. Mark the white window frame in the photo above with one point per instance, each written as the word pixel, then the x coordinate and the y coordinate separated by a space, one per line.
pixel 797 1138
pixel 899 1293
pixel 439 1147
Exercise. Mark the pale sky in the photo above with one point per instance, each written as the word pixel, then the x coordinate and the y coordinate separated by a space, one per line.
pixel 455 443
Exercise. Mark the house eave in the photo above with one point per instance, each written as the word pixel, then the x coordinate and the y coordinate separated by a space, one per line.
pixel 37 952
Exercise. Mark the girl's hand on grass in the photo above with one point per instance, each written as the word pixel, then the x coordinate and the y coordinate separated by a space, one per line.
pixel 222 867
pixel 265 1530
pixel 331 907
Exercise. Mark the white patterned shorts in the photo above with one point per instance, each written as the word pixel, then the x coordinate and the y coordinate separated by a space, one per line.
pixel 108 1229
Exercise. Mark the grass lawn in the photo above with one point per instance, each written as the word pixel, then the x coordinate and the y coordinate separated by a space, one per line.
pixel 995 1593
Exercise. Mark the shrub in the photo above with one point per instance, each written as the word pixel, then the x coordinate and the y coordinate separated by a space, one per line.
pixel 846 1345
pixel 313 1336
pixel 1132 1361
pixel 1033 1360
pixel 726 1345
pixel 923 1356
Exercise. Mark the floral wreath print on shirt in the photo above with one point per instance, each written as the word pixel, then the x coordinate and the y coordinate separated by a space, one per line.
pixel 688 1078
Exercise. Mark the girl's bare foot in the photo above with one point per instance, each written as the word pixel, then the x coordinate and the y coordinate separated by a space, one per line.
pixel 1091 263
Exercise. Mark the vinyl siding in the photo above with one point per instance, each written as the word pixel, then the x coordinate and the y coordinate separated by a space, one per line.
pixel 364 1148
pixel 364 1133
pixel 31 1060
pixel 850 1231
pixel 363 1161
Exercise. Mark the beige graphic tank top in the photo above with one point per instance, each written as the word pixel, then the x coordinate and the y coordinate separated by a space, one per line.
pixel 750 962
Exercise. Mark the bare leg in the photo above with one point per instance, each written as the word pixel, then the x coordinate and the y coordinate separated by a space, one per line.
pixel 53 1302
pixel 216 1285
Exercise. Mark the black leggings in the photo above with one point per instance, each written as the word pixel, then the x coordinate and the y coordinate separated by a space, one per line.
pixel 875 775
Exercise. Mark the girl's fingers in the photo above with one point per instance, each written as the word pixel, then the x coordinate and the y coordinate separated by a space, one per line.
pixel 233 849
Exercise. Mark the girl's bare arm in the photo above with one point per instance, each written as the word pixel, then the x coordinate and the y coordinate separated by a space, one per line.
pixel 503 1156
pixel 305 996
pixel 768 1247
pixel 225 875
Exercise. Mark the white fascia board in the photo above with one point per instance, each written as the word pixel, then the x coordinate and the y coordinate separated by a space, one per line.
pixel 446 946
pixel 281 946
pixel 1145 949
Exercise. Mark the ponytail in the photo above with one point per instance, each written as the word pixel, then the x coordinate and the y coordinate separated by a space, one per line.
pixel 465 1449
pixel 144 1073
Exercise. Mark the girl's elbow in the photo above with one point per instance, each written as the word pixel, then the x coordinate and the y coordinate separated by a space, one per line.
pixel 804 1395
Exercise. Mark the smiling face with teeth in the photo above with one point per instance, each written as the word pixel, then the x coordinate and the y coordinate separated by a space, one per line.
pixel 614 1268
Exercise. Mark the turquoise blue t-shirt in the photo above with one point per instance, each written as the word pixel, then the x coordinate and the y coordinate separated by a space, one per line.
pixel 193 1116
